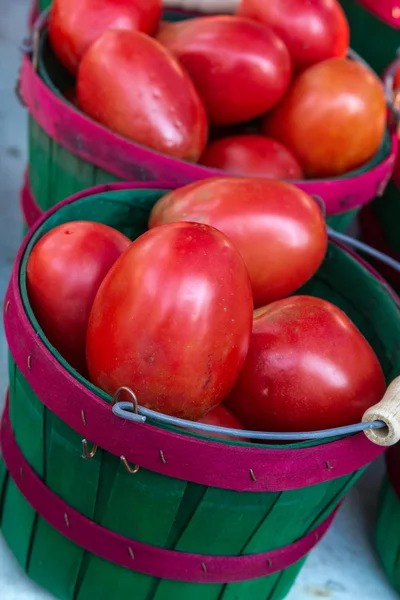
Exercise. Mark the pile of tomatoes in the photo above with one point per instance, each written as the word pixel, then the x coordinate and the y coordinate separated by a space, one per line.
pixel 171 314
pixel 266 92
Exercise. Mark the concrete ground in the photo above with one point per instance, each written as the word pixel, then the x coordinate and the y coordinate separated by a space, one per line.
pixel 343 566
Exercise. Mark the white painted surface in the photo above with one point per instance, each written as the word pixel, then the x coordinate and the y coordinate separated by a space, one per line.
pixel 344 566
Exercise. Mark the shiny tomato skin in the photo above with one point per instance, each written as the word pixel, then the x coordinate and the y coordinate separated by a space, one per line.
pixel 221 416
pixel 313 30
pixel 308 368
pixel 172 320
pixel 252 156
pixel 75 24
pixel 279 229
pixel 396 82
pixel 333 117
pixel 161 110
pixel 240 68
pixel 64 271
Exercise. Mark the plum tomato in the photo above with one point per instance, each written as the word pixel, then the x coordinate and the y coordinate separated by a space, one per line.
pixel 279 229
pixel 333 117
pixel 313 30
pixel 172 320
pixel 64 272
pixel 308 368
pixel 239 67
pixel 75 24
pixel 252 156
pixel 129 83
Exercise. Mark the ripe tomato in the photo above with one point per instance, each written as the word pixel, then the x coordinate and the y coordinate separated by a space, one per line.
pixel 240 68
pixel 333 117
pixel 221 416
pixel 396 82
pixel 308 368
pixel 252 156
pixel 128 82
pixel 64 272
pixel 75 24
pixel 172 320
pixel 313 30
pixel 278 229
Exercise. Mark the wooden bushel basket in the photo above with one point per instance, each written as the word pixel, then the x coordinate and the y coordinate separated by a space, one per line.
pixel 387 527
pixel 151 510
pixel 69 152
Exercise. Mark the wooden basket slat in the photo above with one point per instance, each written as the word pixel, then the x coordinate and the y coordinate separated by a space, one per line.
pixel 274 587
pixel 387 533
pixel 17 523
pixel 144 507
pixel 55 173
pixel 80 491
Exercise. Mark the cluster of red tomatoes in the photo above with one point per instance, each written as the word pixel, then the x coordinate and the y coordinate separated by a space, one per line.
pixel 268 92
pixel 171 314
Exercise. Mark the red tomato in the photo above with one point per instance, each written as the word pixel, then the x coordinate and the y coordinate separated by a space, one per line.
pixel 128 82
pixel 278 229
pixel 313 30
pixel 75 24
pixel 308 368
pixel 333 118
pixel 221 416
pixel 172 320
pixel 64 272
pixel 253 156
pixel 396 82
pixel 240 68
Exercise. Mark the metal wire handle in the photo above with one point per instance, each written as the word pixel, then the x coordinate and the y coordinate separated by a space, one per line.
pixel 124 411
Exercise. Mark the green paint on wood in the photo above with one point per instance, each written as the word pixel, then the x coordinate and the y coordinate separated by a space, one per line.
pixel 387 533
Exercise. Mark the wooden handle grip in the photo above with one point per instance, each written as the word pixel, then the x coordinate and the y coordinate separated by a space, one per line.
pixel 388 411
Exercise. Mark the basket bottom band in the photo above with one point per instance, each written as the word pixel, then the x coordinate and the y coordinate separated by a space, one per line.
pixel 150 560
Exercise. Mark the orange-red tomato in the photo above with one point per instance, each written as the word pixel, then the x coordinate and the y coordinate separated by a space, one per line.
pixel 396 83
pixel 75 24
pixel 308 368
pixel 128 82
pixel 172 320
pixel 239 67
pixel 221 416
pixel 253 156
pixel 64 272
pixel 313 30
pixel 332 118
pixel 278 229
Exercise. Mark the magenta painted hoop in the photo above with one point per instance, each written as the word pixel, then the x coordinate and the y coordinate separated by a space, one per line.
pixel 151 560
pixel 386 10
pixel 128 161
pixel 237 467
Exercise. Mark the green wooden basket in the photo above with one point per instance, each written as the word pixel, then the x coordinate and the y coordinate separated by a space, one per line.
pixel 200 519
pixel 387 527
pixel 68 152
